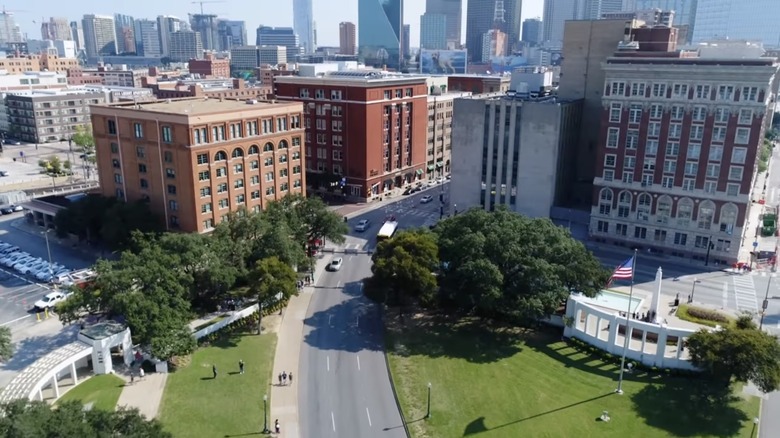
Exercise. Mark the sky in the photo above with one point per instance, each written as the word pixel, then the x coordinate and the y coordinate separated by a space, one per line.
pixel 28 13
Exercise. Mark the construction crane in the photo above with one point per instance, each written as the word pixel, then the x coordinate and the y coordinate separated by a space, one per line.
pixel 499 23
pixel 204 2
pixel 7 11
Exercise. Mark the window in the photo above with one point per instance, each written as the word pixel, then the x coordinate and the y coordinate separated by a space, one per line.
pixel 283 144
pixel 664 210
pixel 612 137
pixel 628 176
pixel 609 175
pixel 319 93
pixel 722 115
pixel 283 187
pixel 138 130
pixel 702 92
pixel 710 186
pixel 223 204
pixel 680 91
pixel 691 169
pixel 221 172
pixel 713 170
pixel 697 132
pixel 735 173
pixel 238 184
pixel 684 212
pixel 251 128
pixel 303 92
pixel 142 168
pixel 115 164
pixel 206 208
pixel 745 116
pixel 283 173
pixel 269 176
pixel 651 148
pixel 118 178
pixel 689 184
pixel 208 224
pixel 610 160
pixel 706 215
pixel 702 242
pixel 732 189
pixel 605 202
pixel 281 124
pixel 220 156
pixel 222 188
pixel 205 192
pixel 716 153
pixel 602 226
pixel 725 92
pixel 170 173
pixel 670 166
pixel 624 204
pixel 254 180
pixel 253 150
pixel 699 113
pixel 167 134
pixel 738 156
pixel 255 194
pixel 140 152
pixel 235 130
pixel 719 134
pixel 680 239
pixel 269 191
pixel 629 163
pixel 654 129
pixel 114 148
pixel 297 184
pixel 338 155
pixel 238 168
pixel 728 218
pixel 659 90
pixel 644 204
pixel 660 236
pixel 112 127
pixel 618 89
pixel 640 233
pixel 199 134
pixel 296 170
pixel 694 149
pixel 638 89
pixel 254 164
pixel 749 94
pixel 204 176
pixel 268 161
pixel 218 133
pixel 675 129
pixel 677 112
pixel 268 147
pixel 742 136
pixel 635 114
pixel 615 110
pixel 667 182
pixel 621 229
pixel 656 111
pixel 672 149
pixel 173 205
pixel 632 139
pixel 237 153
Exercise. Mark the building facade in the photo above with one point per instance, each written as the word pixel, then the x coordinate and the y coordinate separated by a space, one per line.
pixel 280 36
pixel 210 66
pixel 481 18
pixel 99 35
pixel 50 115
pixel 147 38
pixel 533 32
pixel 207 26
pixel 185 45
pixel 752 20
pixel 433 31
pixel 303 24
pixel 479 84
pixel 9 30
pixel 196 160
pixel 678 149
pixel 438 162
pixel 594 9
pixel 512 152
pixel 556 13
pixel 347 38
pixel 366 126
pixel 56 29
pixel 249 58
pixel 77 35
pixel 167 25
pixel 380 32
pixel 684 13
pixel 125 33
pixel 453 11
pixel 232 33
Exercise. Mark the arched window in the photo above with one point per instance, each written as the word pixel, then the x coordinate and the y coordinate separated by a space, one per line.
pixel 644 204
pixel 605 202
pixel 253 150
pixel 706 215
pixel 220 156
pixel 624 204
pixel 268 147
pixel 283 144
pixel 238 153
pixel 728 218
pixel 684 212
pixel 663 210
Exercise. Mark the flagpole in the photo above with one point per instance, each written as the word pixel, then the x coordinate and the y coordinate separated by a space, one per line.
pixel 627 335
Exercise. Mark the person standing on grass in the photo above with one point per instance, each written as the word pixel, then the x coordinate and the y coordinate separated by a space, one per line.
pixel 214 370
pixel 241 366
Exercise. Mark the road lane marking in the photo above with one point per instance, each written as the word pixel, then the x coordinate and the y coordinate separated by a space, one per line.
pixel 330 320
pixel 725 296
pixel 27 316
pixel 328 363
pixel 358 361
pixel 369 418
pixel 333 420
pixel 357 321
pixel 338 284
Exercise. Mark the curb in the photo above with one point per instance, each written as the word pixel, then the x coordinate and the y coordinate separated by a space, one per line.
pixel 390 377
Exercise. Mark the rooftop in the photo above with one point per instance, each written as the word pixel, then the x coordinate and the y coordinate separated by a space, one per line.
pixel 202 106
pixel 103 330
pixel 366 76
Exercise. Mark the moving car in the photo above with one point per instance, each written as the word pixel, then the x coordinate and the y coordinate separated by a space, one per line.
pixel 362 225
pixel 335 264
pixel 50 300
pixel 426 199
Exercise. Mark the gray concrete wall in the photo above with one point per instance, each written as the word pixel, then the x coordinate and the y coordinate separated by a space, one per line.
pixel 468 131
pixel 538 159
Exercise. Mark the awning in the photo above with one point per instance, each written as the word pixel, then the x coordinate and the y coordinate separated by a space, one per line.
pixel 419 171
pixel 430 167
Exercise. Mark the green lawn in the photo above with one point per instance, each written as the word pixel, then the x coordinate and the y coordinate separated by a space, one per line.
pixel 196 405
pixel 102 391
pixel 508 384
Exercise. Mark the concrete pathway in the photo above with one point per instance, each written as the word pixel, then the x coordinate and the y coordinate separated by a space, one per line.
pixel 145 393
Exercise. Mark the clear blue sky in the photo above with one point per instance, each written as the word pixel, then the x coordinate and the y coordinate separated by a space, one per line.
pixel 327 13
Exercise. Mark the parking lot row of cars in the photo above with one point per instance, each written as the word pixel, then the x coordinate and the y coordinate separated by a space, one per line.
pixel 25 264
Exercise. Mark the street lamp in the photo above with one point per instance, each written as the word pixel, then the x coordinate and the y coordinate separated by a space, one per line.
pixel 48 251
pixel 710 246
pixel 428 415
pixel 693 289
pixel 765 304
pixel 265 414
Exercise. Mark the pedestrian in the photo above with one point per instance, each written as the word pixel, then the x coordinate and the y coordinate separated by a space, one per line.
pixel 132 377
pixel 277 428
pixel 241 366
pixel 214 370
pixel 280 379
pixel 141 373
pixel 290 377
pixel 284 377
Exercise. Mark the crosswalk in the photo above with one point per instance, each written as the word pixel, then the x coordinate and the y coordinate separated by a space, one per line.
pixel 745 292
pixel 413 212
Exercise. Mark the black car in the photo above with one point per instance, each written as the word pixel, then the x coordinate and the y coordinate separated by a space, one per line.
pixel 408 191
pixel 7 209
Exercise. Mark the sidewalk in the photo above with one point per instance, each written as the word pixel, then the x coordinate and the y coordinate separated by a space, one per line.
pixel 145 393
pixel 753 241
pixel 284 399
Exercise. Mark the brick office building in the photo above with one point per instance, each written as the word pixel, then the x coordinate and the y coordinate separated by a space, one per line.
pixel 367 126
pixel 197 159
pixel 678 148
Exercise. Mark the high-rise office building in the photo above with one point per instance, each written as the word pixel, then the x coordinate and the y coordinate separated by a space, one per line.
pixel 556 13
pixel 185 45
pixel 280 36
pixel 167 25
pixel 9 31
pixel 125 28
pixel 99 35
pixel 77 35
pixel 347 36
pixel 56 29
pixel 684 13
pixel 485 15
pixel 533 32
pixel 303 24
pixel 453 10
pixel 380 32
pixel 592 9
pixel 752 20
pixel 206 25
pixel 433 31
pixel 405 46
pixel 147 38
pixel 232 33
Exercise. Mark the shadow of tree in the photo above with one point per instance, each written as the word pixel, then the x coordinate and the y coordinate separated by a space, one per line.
pixel 30 349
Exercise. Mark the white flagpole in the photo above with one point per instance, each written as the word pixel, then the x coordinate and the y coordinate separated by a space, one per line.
pixel 627 335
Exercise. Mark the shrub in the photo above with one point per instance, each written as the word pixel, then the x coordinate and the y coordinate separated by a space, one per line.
pixel 707 315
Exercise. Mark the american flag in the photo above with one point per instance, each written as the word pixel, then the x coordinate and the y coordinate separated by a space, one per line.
pixel 625 271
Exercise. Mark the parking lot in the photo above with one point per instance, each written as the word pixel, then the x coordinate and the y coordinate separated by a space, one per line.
pixel 17 295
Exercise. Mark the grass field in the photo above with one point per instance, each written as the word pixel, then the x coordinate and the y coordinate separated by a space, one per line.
pixel 101 391
pixel 195 404
pixel 494 383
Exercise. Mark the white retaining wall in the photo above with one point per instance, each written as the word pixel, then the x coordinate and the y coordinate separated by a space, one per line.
pixel 239 314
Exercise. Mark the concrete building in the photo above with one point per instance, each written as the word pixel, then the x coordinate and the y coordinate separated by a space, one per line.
pixel 495 44
pixel 77 35
pixel 25 84
pixel 9 30
pixel 252 57
pixel 50 115
pixel 303 24
pixel 453 11
pixel 66 49
pixel 684 13
pixel 210 66
pixel 196 160
pixel 380 32
pixel 116 94
pixel 267 72
pixel 532 81
pixel 125 33
pixel 678 147
pixel 167 25
pixel 280 36
pixel 347 38
pixel 185 45
pixel 367 126
pixel 433 31
pixel 36 63
pixel 56 29
pixel 594 9
pixel 440 117
pixel 207 26
pixel 232 33
pixel 481 18
pixel 479 84
pixel 533 31
pixel 512 152
pixel 556 14
pixel 99 35
pixel 207 88
pixel 117 75
pixel 147 38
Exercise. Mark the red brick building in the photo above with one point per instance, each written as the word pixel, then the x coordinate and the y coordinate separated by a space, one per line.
pixel 210 66
pixel 478 84
pixel 678 147
pixel 369 127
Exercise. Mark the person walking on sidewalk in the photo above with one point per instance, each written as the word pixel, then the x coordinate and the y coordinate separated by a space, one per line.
pixel 290 377
pixel 280 379
pixel 277 428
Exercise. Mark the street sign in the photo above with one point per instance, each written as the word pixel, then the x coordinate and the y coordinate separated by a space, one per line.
pixel 755 244
pixel 21 153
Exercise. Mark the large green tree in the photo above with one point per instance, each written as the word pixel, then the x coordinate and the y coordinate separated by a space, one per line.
pixel 85 142
pixel 308 218
pixel 742 353
pixel 23 418
pixel 6 344
pixel 405 268
pixel 270 277
pixel 505 265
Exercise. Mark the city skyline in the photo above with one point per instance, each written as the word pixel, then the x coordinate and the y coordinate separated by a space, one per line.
pixel 327 18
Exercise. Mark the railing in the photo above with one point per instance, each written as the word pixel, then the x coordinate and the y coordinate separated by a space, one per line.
pixel 61 190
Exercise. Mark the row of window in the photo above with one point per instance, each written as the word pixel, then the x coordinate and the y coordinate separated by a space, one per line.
pixel 682 91
pixel 229 131
pixel 661 237
pixel 322 124
pixel 676 112
pixel 335 110
pixel 741 135
pixel 670 167
pixel 240 199
pixel 208 224
pixel 319 93
pixel 203 159
pixel 221 172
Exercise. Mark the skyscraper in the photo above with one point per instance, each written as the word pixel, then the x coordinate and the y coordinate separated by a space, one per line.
pixel 125 41
pixel 433 31
pixel 77 34
pixel 56 29
pixel 405 46
pixel 280 36
pixel 232 33
pixel 99 35
pixel 453 10
pixel 303 24
pixel 206 24
pixel 147 38
pixel 684 12
pixel 754 20
pixel 380 32
pixel 532 31
pixel 481 18
pixel 347 43
pixel 185 45
pixel 167 25
pixel 592 9
pixel 9 31
pixel 556 12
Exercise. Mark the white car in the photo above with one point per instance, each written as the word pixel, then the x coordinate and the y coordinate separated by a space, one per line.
pixel 32 268
pixel 335 264
pixel 11 259
pixel 26 261
pixel 426 199
pixel 362 225
pixel 50 300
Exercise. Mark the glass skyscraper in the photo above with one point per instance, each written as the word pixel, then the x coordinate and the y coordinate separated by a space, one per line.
pixel 380 32
pixel 753 20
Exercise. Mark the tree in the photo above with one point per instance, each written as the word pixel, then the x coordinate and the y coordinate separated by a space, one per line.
pixel 404 268
pixel 743 354
pixel 309 219
pixel 504 265
pixel 52 166
pixel 85 142
pixel 24 418
pixel 269 277
pixel 6 344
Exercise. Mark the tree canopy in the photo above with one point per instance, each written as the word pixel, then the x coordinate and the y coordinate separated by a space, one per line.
pixel 269 277
pixel 23 418
pixel 742 353
pixel 6 344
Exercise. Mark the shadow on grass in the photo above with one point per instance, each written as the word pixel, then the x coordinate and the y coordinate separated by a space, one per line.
pixel 478 425
pixel 231 339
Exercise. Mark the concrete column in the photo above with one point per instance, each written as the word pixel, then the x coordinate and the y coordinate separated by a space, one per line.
pixel 659 355
pixel 73 374
pixel 613 330
pixel 598 326
pixel 644 340
pixel 40 394
pixel 56 387
pixel 629 334
pixel 587 322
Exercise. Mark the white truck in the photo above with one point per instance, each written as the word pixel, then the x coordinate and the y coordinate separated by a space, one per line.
pixel 50 300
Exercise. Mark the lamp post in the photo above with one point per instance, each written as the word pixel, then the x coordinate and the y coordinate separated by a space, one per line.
pixel 48 251
pixel 765 304
pixel 693 289
pixel 710 245
pixel 265 414
pixel 428 415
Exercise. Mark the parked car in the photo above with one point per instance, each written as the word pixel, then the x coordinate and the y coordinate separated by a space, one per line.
pixel 10 259
pixel 50 300
pixel 17 207
pixel 12 141
pixel 408 191
pixel 426 199
pixel 362 225
pixel 6 209
pixel 335 264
